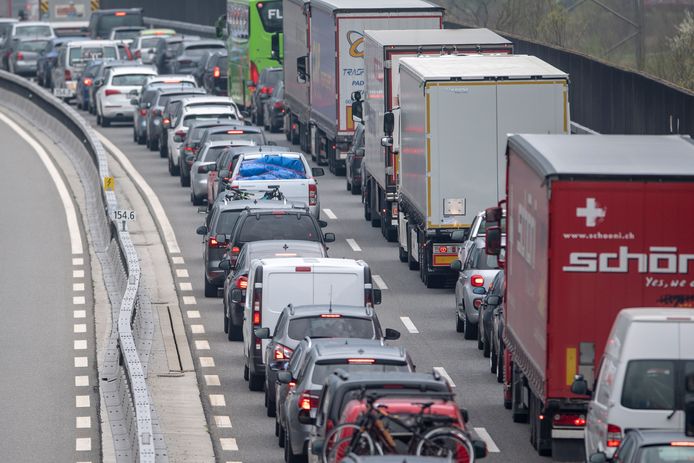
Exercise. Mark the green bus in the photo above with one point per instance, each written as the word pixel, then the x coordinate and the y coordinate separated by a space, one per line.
pixel 254 34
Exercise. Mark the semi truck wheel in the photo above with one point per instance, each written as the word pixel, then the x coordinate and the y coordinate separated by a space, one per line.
pixel 411 263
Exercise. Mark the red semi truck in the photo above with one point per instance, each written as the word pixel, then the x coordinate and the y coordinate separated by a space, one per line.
pixel 596 223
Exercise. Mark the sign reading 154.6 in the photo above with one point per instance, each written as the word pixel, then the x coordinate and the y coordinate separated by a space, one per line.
pixel 123 214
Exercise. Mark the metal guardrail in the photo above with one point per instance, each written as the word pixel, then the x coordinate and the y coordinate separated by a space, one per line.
pixel 182 27
pixel 123 367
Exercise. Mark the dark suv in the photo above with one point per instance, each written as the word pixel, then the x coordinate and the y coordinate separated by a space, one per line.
pixel 269 78
pixel 102 21
pixel 355 155
pixel 153 128
pixel 314 321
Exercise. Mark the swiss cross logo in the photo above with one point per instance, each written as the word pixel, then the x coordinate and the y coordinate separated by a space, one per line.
pixel 591 212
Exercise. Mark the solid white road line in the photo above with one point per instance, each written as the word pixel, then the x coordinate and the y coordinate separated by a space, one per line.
pixel 70 212
pixel 444 374
pixel 228 444
pixel 143 186
pixel 353 244
pixel 379 281
pixel 222 421
pixel 331 215
pixel 484 435
pixel 409 325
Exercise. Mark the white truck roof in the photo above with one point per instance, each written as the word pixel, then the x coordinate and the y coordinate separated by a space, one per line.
pixel 314 262
pixel 607 155
pixel 376 6
pixel 657 314
pixel 428 37
pixel 144 69
pixel 478 67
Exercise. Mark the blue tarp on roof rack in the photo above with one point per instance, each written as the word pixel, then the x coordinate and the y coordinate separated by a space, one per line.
pixel 272 167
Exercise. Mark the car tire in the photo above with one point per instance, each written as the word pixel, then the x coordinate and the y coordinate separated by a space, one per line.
pixel 470 328
pixel 141 140
pixel 162 151
pixel 348 185
pixel 105 121
pixel 281 436
pixel 245 372
pixel 492 362
pixel 255 382
pixel 271 406
pixel 486 348
pixel 289 456
pixel 480 340
pixel 356 189
pixel 459 324
pixel 135 137
pixel 411 263
pixel 226 319
pixel 185 180
pixel 195 200
pixel 173 170
pixel 210 289
pixel 98 119
pixel 235 332
pixel 402 254
pixel 500 367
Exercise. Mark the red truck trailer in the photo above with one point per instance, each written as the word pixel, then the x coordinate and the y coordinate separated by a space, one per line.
pixel 596 223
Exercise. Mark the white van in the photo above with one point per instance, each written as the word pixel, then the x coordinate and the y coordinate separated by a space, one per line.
pixel 275 283
pixel 641 379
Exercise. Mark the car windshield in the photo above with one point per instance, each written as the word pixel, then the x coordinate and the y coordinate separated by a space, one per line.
pixel 322 370
pixel 34 45
pixel 33 31
pixel 126 34
pixel 122 18
pixel 483 261
pixel 254 137
pixel 173 84
pixel 271 167
pixel 149 42
pixel 212 154
pixel 649 385
pixel 223 64
pixel 188 120
pixel 483 226
pixel 127 80
pixel 278 226
pixel 666 453
pixel 82 54
pixel 330 327
pixel 163 99
pixel 226 221
pixel 199 50
pixel 272 78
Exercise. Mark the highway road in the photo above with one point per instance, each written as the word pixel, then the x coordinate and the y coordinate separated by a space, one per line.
pixel 47 348
pixel 241 431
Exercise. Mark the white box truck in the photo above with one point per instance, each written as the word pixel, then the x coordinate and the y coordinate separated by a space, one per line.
pixel 334 67
pixel 455 114
pixel 383 51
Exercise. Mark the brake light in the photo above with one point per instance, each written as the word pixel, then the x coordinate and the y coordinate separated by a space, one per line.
pixel 254 73
pixel 156 112
pixel 330 315
pixel 235 250
pixel 307 401
pixel 20 56
pixel 477 303
pixel 312 195
pixel 291 385
pixel 361 361
pixel 212 242
pixel 216 72
pixel 282 353
pixel 477 281
pixel 266 90
pixel 121 13
pixel 87 82
pixel 234 254
pixel 278 105
pixel 257 306
pixel 682 444
pixel 614 435
pixel 235 132
pixel 180 133
pixel 302 269
pixel 110 92
pixel 67 74
pixel 166 120
pixel 241 282
pixel 143 112
pixel 188 148
pixel 569 420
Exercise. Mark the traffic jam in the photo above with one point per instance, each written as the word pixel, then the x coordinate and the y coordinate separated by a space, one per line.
pixel 560 251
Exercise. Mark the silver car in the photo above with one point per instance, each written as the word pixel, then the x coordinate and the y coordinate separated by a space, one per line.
pixel 24 54
pixel 476 273
pixel 207 156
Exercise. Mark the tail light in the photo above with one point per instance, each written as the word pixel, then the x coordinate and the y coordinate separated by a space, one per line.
pixel 143 112
pixel 368 297
pixel 255 75
pixel 87 82
pixel 234 254
pixel 110 92
pixel 361 361
pixel 477 281
pixel 569 419
pixel 257 306
pixel 278 105
pixel 166 121
pixel 188 148
pixel 213 243
pixel 181 133
pixel 20 56
pixel 265 90
pixel 308 401
pixel 156 112
pixel 312 195
pixel 241 282
pixel 282 353
pixel 68 75
pixel 477 303
pixel 216 72
pixel 614 436
pixel 138 54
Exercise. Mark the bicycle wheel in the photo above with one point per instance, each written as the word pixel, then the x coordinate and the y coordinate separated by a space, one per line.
pixel 446 442
pixel 341 440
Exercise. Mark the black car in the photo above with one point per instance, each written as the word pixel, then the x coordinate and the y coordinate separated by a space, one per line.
pixel 165 53
pixel 190 52
pixel 154 117
pixel 314 321
pixel 102 21
pixel 486 320
pixel 269 78
pixel 214 76
pixel 496 336
pixel 355 155
pixel 238 275
pixel 274 109
pixel 650 446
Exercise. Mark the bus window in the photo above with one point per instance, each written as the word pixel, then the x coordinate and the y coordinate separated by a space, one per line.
pixel 270 15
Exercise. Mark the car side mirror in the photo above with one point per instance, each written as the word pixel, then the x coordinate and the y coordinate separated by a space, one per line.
pixel 360 152
pixel 464 413
pixel 322 223
pixel 236 296
pixel 317 446
pixel 456 265
pixel 262 333
pixel 492 240
pixel 134 102
pixel 387 142
pixel 225 265
pixel 493 214
pixel 377 296
pixel 224 173
pixel 317 171
pixel 598 457
pixel 99 82
pixel 329 237
pixel 201 230
pixel 284 377
pixel 357 111
pixel 391 334
pixel 306 418
pixel 493 300
pixel 580 386
pixel 459 236
pixel 301 72
pixel 479 448
pixel 388 123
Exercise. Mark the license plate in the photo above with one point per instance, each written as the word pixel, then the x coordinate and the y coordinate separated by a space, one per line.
pixel 62 92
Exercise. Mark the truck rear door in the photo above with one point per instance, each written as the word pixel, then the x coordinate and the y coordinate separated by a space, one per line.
pixel 341 287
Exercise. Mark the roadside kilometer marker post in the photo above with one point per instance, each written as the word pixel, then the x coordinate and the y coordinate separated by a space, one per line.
pixel 123 215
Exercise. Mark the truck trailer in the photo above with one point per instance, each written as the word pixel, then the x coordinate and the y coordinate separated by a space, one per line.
pixel 596 223
pixel 333 66
pixel 455 113
pixel 383 51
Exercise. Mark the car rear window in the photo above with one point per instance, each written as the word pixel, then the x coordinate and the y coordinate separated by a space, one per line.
pixel 149 42
pixel 34 45
pixel 324 327
pixel 33 31
pixel 212 154
pixel 649 385
pixel 122 18
pixel 126 80
pixel 483 261
pixel 666 453
pixel 226 222
pixel 278 226
pixel 271 167
pixel 173 84
pixel 250 136
pixel 273 78
pixel 126 34
pixel 322 370
pixel 188 120
pixel 82 54
pixel 199 50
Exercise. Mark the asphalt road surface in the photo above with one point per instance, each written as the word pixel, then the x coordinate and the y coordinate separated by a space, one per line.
pixel 432 343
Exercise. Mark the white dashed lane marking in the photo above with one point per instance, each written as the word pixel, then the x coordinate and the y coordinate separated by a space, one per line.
pixel 444 374
pixel 78 286
pixel 78 300
pixel 178 260
pixel 197 329
pixel 379 282
pixel 79 314
pixel 202 345
pixel 207 362
pixel 81 381
pixel 83 422
pixel 484 435
pixel 83 444
pixel 189 300
pixel 79 328
pixel 80 344
pixel 228 444
pixel 81 362
pixel 353 244
pixel 185 286
pixel 193 314
pixel 217 400
pixel 409 325
pixel 82 401
pixel 212 380
pixel 222 421
pixel 78 274
pixel 331 215
pixel 182 273
pixel 77 261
